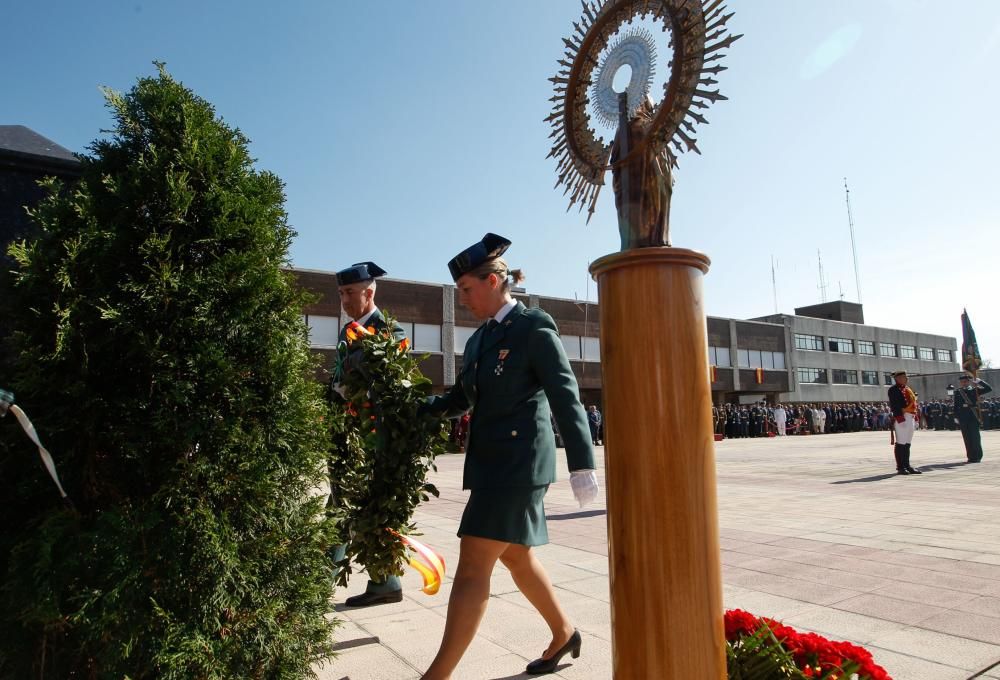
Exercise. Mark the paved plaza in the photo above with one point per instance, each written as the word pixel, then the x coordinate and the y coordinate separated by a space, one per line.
pixel 816 531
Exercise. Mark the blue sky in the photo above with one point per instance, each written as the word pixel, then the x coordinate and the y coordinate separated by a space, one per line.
pixel 404 131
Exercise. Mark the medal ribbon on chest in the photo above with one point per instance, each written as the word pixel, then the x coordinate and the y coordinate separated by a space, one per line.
pixel 501 357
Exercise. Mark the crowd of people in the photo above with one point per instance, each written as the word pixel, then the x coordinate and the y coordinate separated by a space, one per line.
pixel 735 421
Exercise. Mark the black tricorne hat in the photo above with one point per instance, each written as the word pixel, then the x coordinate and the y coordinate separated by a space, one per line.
pixel 359 271
pixel 489 247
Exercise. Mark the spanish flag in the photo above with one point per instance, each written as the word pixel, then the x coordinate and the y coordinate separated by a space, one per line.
pixel 971 361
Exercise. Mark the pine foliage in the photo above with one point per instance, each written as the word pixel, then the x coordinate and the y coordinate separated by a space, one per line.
pixel 160 349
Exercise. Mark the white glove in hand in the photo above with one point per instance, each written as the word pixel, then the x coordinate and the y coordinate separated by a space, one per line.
pixel 340 389
pixel 584 483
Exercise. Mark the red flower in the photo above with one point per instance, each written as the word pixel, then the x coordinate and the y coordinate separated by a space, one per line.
pixel 814 655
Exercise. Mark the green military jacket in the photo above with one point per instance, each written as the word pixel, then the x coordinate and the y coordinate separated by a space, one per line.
pixel 511 376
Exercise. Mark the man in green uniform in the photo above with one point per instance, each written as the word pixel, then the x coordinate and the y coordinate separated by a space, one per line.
pixel 357 285
pixel 968 413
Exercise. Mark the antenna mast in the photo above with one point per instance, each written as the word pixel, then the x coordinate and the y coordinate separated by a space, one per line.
pixel 854 248
pixel 822 277
pixel 774 285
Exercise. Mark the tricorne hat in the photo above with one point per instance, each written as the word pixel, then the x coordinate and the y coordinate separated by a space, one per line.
pixel 358 272
pixel 489 247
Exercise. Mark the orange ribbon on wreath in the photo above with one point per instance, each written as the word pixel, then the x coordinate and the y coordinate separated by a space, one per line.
pixel 426 561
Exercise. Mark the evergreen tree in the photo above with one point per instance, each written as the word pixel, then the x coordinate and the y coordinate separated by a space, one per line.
pixel 161 352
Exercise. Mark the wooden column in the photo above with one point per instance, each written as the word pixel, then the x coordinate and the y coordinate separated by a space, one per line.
pixel 666 583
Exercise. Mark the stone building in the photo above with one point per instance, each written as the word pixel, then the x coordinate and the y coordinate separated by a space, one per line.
pixel 809 356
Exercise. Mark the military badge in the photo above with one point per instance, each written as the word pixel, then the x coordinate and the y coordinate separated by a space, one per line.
pixel 502 356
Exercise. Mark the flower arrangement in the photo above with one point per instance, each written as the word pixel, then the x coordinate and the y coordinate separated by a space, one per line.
pixel 762 649
pixel 382 448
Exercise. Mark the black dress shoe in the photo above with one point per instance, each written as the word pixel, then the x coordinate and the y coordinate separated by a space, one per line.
pixel 370 599
pixel 542 666
pixel 902 471
pixel 914 471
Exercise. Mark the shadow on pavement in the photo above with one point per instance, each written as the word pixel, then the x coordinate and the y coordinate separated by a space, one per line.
pixel 874 478
pixel 890 475
pixel 943 466
pixel 560 667
pixel 575 515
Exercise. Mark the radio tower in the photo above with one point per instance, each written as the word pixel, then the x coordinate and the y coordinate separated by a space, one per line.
pixel 854 248
pixel 822 277
pixel 774 285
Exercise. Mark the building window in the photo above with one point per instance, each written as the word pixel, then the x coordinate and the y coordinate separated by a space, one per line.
pixel 842 345
pixel 324 331
pixel 907 352
pixel 887 377
pixel 866 347
pixel 462 335
pixel 719 356
pixel 407 327
pixel 810 342
pixel 591 349
pixel 844 377
pixel 756 358
pixel 926 354
pixel 944 355
pixel 887 349
pixel 426 337
pixel 812 375
pixel 869 378
pixel 571 343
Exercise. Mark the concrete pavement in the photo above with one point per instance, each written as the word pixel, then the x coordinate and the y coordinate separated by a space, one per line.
pixel 816 531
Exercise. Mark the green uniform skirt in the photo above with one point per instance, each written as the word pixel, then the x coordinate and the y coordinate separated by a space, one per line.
pixel 511 515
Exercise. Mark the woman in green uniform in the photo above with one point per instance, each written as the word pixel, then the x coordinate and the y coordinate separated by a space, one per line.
pixel 515 373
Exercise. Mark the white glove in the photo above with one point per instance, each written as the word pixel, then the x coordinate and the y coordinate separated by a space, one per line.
pixel 340 389
pixel 584 483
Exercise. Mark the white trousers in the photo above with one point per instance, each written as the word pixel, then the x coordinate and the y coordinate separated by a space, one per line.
pixel 904 430
pixel 780 424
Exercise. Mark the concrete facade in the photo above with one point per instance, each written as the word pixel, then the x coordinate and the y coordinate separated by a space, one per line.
pixel 439 327
pixel 841 368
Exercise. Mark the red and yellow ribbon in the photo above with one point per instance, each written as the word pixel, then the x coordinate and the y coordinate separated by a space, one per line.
pixel 426 561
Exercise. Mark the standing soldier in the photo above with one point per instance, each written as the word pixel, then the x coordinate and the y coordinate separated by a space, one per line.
pixel 356 286
pixel 780 417
pixel 967 411
pixel 594 421
pixel 903 403
pixel 934 415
